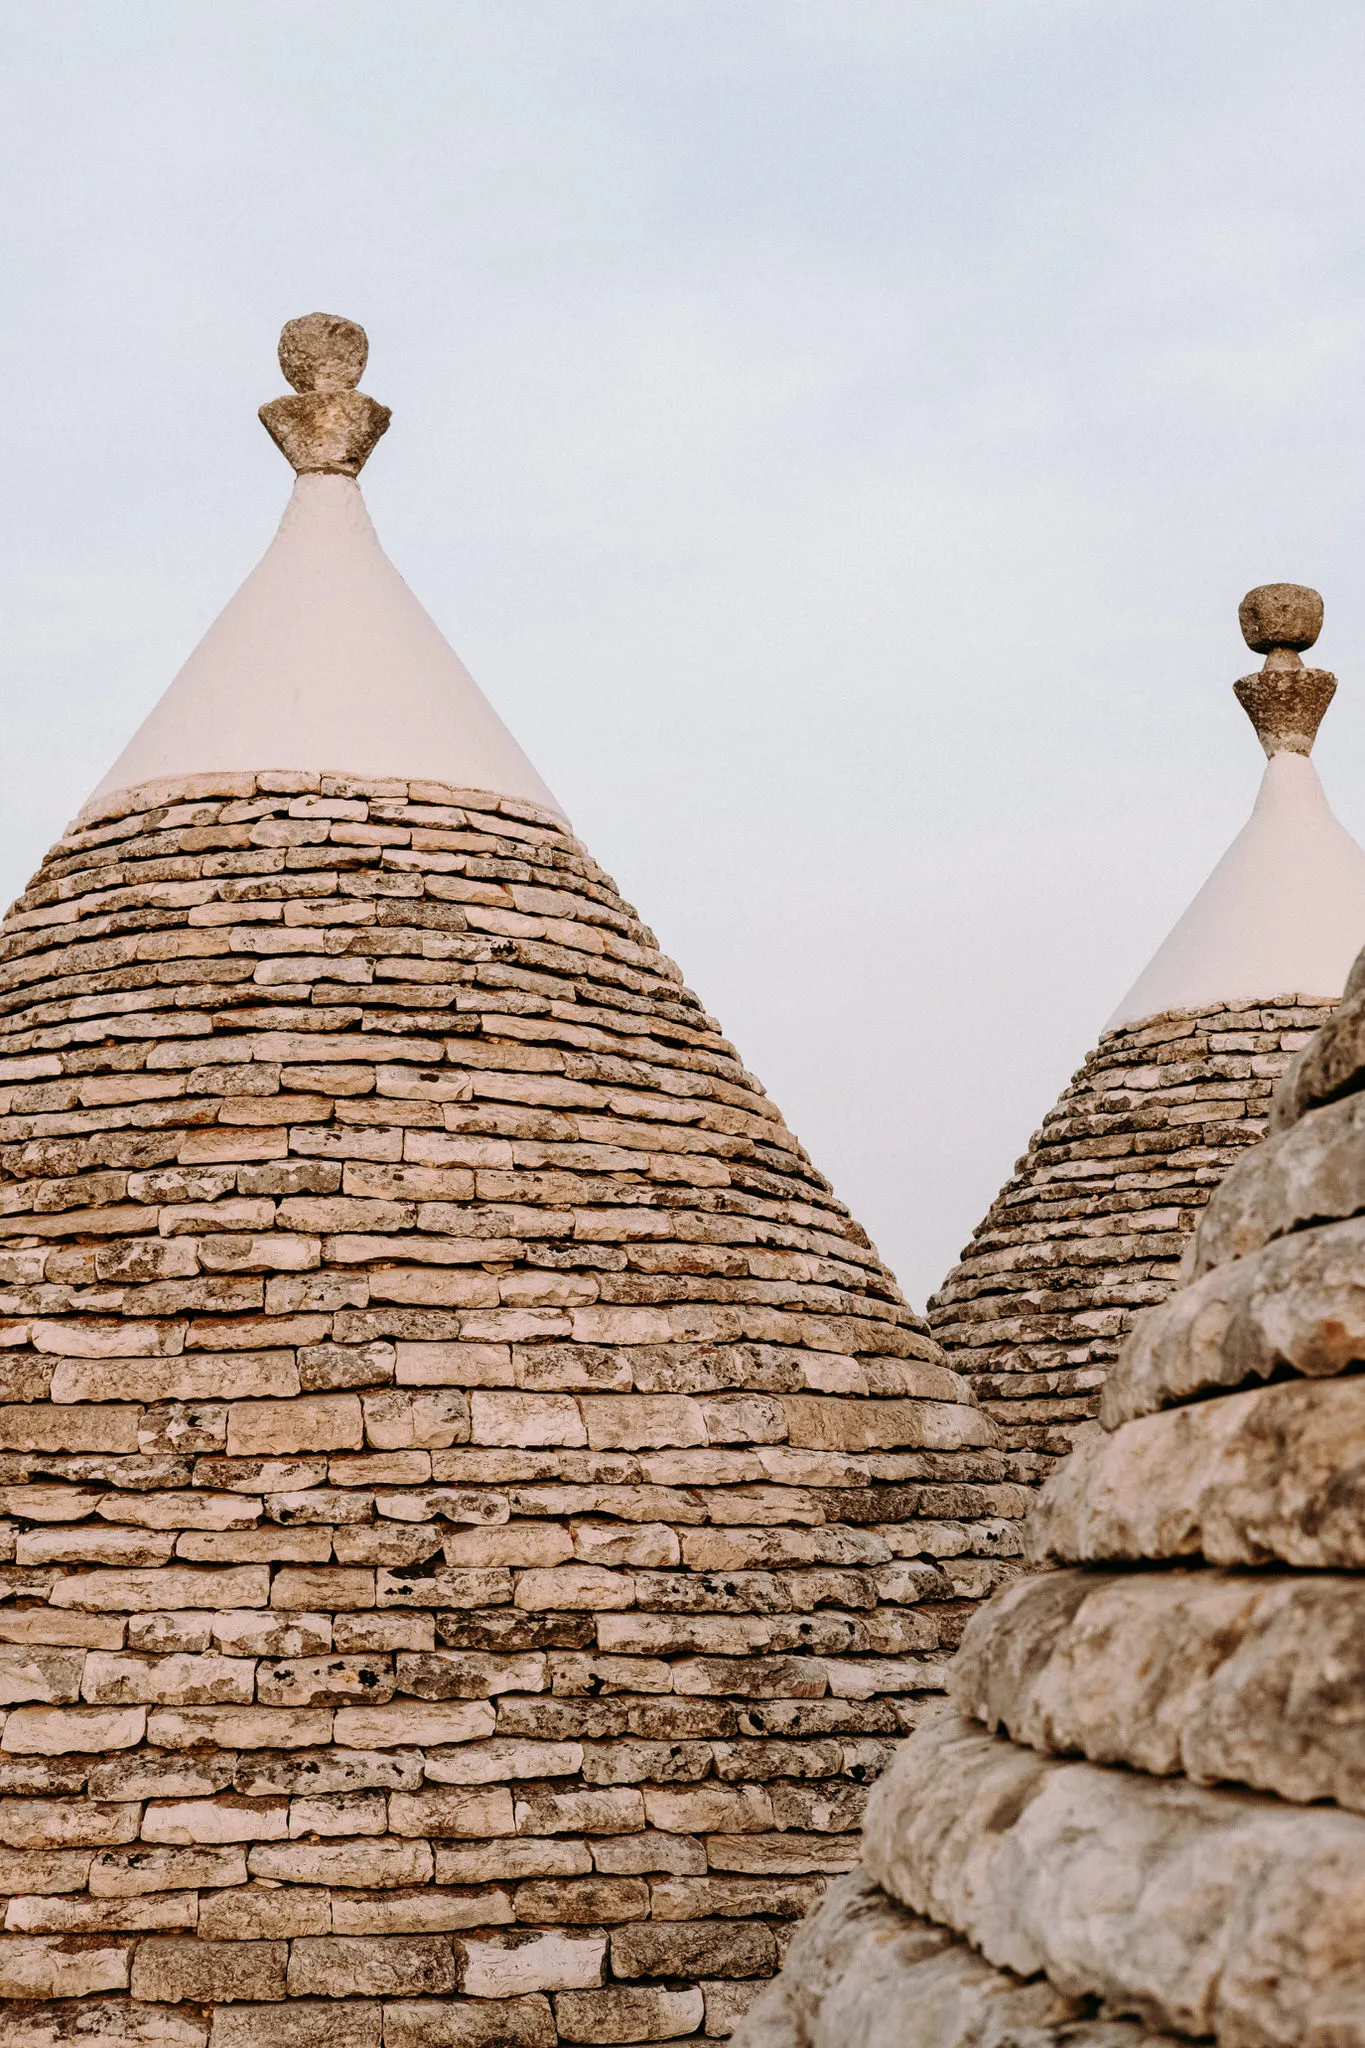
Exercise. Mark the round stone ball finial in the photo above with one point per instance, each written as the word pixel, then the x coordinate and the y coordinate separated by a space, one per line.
pixel 1284 700
pixel 323 352
pixel 1276 615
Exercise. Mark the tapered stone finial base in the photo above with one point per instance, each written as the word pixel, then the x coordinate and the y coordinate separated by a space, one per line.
pixel 328 427
pixel 1284 700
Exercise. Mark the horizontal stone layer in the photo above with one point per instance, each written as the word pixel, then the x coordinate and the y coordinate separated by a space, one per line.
pixel 1298 1305
pixel 1216 1675
pixel 336 2021
pixel 1313 1172
pixel 1277 1474
pixel 1329 1067
pixel 1199 1912
pixel 862 1969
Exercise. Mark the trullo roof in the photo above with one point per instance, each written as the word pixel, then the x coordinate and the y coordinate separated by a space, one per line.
pixel 1092 1223
pixel 479 1509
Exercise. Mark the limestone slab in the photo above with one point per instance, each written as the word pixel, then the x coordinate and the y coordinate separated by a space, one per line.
pixel 1217 1675
pixel 1297 1305
pixel 1329 1066
pixel 1310 1173
pixel 1196 1911
pixel 865 1970
pixel 1277 1474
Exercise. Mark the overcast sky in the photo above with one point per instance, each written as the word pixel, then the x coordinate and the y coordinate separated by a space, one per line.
pixel 835 434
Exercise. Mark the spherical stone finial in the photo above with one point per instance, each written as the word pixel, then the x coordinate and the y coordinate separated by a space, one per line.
pixel 327 428
pixel 1284 700
pixel 323 352
pixel 1276 615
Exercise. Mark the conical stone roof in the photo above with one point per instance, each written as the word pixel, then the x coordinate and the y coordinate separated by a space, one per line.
pixel 1150 1803
pixel 472 1492
pixel 1093 1222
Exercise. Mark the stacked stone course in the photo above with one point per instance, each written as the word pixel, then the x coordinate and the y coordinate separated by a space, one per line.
pixel 477 1511
pixel 1093 1224
pixel 1146 1820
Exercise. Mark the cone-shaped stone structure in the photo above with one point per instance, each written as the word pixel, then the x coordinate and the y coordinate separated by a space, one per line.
pixel 1093 1222
pixel 1150 1804
pixel 468 1484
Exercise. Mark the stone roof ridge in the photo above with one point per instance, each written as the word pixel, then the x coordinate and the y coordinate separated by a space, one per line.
pixel 324 660
pixel 1285 907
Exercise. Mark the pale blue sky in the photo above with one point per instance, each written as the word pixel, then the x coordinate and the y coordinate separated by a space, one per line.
pixel 835 434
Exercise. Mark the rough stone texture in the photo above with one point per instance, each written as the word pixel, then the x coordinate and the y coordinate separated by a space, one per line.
pixel 470 1492
pixel 863 1970
pixel 1219 1675
pixel 1311 1173
pixel 1145 1877
pixel 1277 1474
pixel 1199 1912
pixel 1331 1065
pixel 1296 1306
pixel 1094 1222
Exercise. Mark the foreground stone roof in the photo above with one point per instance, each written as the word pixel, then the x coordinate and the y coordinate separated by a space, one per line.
pixel 1150 1801
pixel 471 1491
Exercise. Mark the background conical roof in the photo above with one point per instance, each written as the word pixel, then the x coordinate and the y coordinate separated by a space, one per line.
pixel 1092 1224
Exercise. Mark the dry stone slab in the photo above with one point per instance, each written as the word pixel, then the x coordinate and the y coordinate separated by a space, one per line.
pixel 119 2023
pixel 1198 1912
pixel 1296 1306
pixel 1273 1475
pixel 1216 1675
pixel 865 1970
pixel 1327 1068
pixel 1313 1172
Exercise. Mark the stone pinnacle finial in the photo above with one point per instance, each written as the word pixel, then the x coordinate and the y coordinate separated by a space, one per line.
pixel 1284 700
pixel 328 428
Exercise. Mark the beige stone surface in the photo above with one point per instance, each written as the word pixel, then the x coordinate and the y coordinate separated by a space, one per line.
pixel 1197 1911
pixel 1329 1066
pixel 1274 1474
pixel 1298 1305
pixel 865 1970
pixel 1216 1675
pixel 1313 1172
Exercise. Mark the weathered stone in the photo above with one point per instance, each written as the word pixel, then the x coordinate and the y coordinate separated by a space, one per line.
pixel 862 1964
pixel 54 1967
pixel 1093 1222
pixel 628 2014
pixel 506 1966
pixel 388 1966
pixel 405 1271
pixel 1213 1674
pixel 1313 1172
pixel 1330 1064
pixel 460 2023
pixel 1278 1473
pixel 168 1969
pixel 1202 1912
pixel 299 2024
pixel 1297 1305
